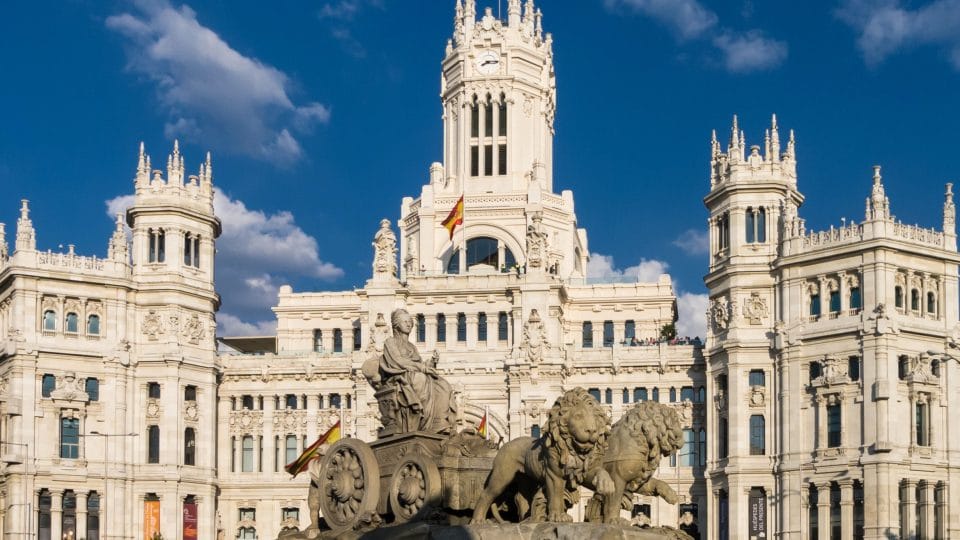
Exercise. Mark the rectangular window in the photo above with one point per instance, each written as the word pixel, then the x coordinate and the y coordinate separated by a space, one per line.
pixel 688 453
pixel 441 328
pixel 474 161
pixel 702 448
pixel 276 453
pixel 246 454
pixel 248 514
pixel 587 334
pixel 629 332
pixel 488 160
pixel 834 425
pixel 47 385
pixel 482 327
pixel 722 439
pixel 338 340
pixel 70 438
pixel 318 341
pixel 853 368
pixel 291 514
pixel 357 338
pixel 608 333
pixel 608 396
pixel 595 392
pixel 247 402
pixel 814 305
pixel 639 394
pixel 757 378
pixel 488 119
pixel 190 393
pixel 815 371
pixel 335 401
pixel 686 393
pixel 855 301
pixel 189 447
pixel 291 448
pixel 474 120
pixel 502 326
pixel 626 395
pixel 461 327
pixel 92 387
pixel 750 227
pixel 153 390
pixel 502 160
pixel 758 446
pixel 153 444
pixel 834 301
pixel 421 329
pixel 923 433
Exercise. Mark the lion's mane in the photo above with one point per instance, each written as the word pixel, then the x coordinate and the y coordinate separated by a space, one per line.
pixel 656 424
pixel 558 439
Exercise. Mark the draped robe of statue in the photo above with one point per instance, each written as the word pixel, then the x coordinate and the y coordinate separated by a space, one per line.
pixel 425 399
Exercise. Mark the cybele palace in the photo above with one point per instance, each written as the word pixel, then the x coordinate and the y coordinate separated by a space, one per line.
pixel 817 406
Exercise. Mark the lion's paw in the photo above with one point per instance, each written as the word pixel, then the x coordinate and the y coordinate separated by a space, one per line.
pixel 562 517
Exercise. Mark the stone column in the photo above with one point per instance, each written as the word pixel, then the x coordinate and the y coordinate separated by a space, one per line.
pixel 451 329
pixel 269 411
pixel 926 511
pixel 908 508
pixel 348 339
pixel 619 329
pixel 56 514
pixel 824 296
pixel 430 342
pixel 846 508
pixel 81 515
pixel 472 330
pixel 843 290
pixel 598 335
pixel 942 511
pixel 493 320
pixel 823 510
pixel 821 422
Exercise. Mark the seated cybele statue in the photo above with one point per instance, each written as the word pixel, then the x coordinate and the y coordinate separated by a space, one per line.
pixel 412 394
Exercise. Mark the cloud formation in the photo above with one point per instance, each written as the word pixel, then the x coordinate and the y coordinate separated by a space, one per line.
pixel 209 90
pixel 693 242
pixel 338 16
pixel 691 20
pixel 886 26
pixel 256 253
pixel 603 267
pixel 691 315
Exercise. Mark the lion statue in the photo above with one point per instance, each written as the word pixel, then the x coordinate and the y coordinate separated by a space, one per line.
pixel 546 472
pixel 636 444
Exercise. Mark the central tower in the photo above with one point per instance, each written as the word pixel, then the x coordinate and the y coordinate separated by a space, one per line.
pixel 499 96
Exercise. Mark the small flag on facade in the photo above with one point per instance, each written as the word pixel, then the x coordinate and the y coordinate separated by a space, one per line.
pixel 482 427
pixel 455 217
pixel 299 465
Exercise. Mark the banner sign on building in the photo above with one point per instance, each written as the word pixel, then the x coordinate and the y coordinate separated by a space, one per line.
pixel 758 514
pixel 189 521
pixel 151 519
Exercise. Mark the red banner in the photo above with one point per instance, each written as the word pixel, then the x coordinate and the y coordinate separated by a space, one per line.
pixel 189 521
pixel 151 519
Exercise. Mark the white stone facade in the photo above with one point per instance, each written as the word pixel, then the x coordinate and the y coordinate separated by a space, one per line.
pixel 825 408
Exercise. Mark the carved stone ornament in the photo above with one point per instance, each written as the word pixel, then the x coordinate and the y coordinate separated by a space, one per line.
pixel 384 252
pixel 190 411
pixel 834 371
pixel 193 329
pixel 536 243
pixel 720 314
pixel 152 326
pixel 921 370
pixel 246 421
pixel 755 308
pixel 153 408
pixel 70 388
pixel 411 262
pixel 534 338
pixel 758 396
pixel 288 421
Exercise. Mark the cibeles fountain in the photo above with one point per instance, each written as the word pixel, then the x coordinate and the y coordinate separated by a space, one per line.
pixel 422 479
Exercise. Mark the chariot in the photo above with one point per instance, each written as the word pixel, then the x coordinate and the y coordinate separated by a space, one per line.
pixel 402 476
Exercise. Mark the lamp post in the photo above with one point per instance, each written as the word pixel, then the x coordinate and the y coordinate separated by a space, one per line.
pixel 106 458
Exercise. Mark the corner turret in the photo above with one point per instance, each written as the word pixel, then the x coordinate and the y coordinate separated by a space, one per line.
pixel 26 236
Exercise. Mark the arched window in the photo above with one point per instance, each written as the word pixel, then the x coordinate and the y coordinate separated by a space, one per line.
pixel 189 447
pixel 474 138
pixel 751 226
pixel 856 301
pixel 898 296
pixel 701 395
pixel 49 321
pixel 421 328
pixel 482 327
pixel 931 303
pixel 835 301
pixel 290 451
pixel 461 327
pixel 483 250
pixel 503 326
pixel 762 225
pixel 673 395
pixel 656 394
pixel 608 396
pixel 815 304
pixel 488 137
pixel 758 445
pixel 157 245
pixel 93 515
pixel 502 133
pixel 914 300
pixel 318 341
pixel 441 328
pixel 639 394
pixel 72 324
pixel 93 325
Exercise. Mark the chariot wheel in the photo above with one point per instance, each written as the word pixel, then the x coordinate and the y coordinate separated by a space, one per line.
pixel 349 484
pixel 415 486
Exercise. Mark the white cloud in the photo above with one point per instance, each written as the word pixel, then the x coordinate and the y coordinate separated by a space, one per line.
pixel 691 315
pixel 603 267
pixel 689 19
pixel 228 326
pixel 750 51
pixel 256 253
pixel 886 26
pixel 211 91
pixel 344 10
pixel 693 242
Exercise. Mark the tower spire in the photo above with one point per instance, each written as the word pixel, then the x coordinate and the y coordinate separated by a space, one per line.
pixel 26 236
pixel 4 248
pixel 949 211
pixel 117 248
pixel 879 203
pixel 513 13
pixel 734 145
pixel 774 140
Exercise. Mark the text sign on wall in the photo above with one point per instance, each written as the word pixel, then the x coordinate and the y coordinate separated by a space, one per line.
pixel 758 515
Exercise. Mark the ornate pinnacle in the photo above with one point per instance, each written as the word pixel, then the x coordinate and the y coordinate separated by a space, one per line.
pixel 141 159
pixel 734 134
pixel 774 139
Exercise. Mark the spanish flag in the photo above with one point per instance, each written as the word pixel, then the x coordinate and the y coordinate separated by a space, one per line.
pixel 455 217
pixel 299 465
pixel 482 427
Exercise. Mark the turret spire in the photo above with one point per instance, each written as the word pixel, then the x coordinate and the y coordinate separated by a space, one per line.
pixel 26 236
pixel 949 212
pixel 4 248
pixel 117 248
pixel 879 207
pixel 513 13
pixel 774 140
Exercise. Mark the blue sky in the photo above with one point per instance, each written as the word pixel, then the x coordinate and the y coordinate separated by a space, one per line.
pixel 321 116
